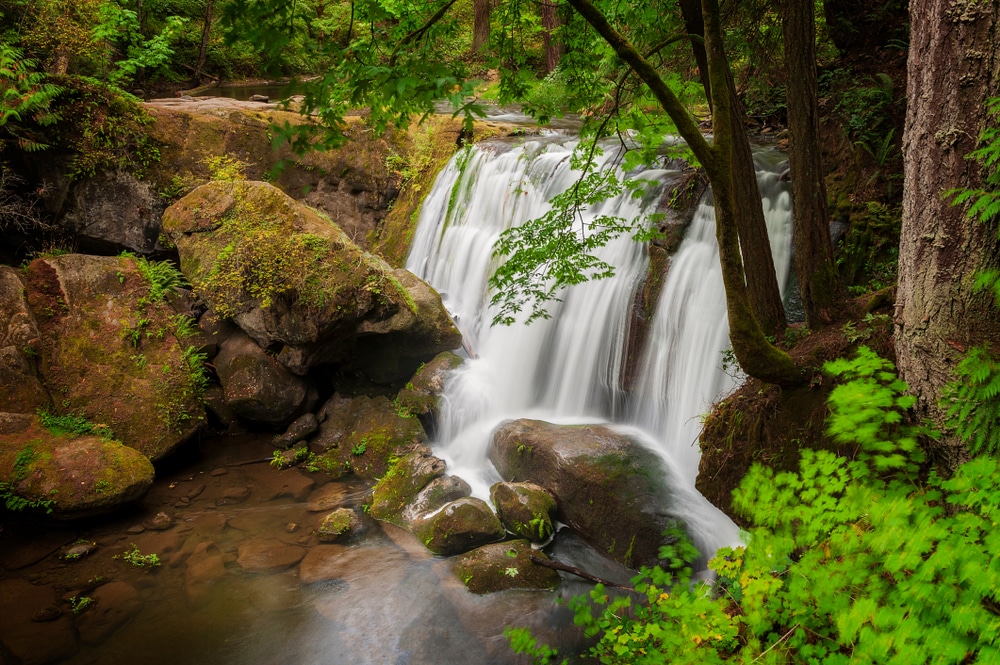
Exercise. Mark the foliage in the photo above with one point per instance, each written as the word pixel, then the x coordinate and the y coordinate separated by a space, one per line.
pixel 136 558
pixel 855 557
pixel 226 168
pixel 73 424
pixel 80 603
pixel 26 97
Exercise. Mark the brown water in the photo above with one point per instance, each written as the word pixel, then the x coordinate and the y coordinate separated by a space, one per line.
pixel 229 589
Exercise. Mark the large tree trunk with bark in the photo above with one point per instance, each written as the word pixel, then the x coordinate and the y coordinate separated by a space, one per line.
pixel 480 23
pixel 819 284
pixel 954 65
pixel 553 47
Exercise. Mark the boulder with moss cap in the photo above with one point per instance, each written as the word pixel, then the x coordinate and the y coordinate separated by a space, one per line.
pixel 294 282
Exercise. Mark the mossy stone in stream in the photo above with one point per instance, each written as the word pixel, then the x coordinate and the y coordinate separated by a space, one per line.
pixel 503 566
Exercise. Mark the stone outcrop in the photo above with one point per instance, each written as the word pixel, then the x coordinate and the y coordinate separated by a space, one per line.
pixel 73 476
pixel 20 343
pixel 525 509
pixel 609 488
pixel 109 350
pixel 422 394
pixel 297 285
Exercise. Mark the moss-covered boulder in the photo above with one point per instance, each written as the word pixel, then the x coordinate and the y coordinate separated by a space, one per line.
pixel 422 394
pixel 337 525
pixel 609 488
pixel 19 346
pixel 460 526
pixel 111 349
pixel 525 509
pixel 434 496
pixel 402 482
pixel 74 475
pixel 296 284
pixel 256 386
pixel 363 435
pixel 503 566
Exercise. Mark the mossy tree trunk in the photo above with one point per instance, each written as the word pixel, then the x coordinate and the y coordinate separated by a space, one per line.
pixel 819 284
pixel 953 67
pixel 758 357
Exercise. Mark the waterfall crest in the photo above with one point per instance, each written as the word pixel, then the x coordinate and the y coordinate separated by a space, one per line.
pixel 567 369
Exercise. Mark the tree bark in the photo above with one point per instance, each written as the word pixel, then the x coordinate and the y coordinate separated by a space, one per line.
pixel 553 48
pixel 480 23
pixel 954 65
pixel 206 31
pixel 819 284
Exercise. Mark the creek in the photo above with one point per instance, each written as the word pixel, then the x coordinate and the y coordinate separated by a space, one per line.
pixel 243 578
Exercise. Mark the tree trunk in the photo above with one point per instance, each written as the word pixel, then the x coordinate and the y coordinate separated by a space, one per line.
pixel 480 23
pixel 819 284
pixel 553 48
pixel 954 65
pixel 695 25
pixel 206 31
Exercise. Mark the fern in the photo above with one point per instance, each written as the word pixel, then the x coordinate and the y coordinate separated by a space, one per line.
pixel 972 401
pixel 24 96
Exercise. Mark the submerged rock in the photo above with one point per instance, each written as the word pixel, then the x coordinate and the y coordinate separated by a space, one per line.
pixel 114 604
pixel 502 566
pixel 459 527
pixel 294 282
pixel 609 488
pixel 74 476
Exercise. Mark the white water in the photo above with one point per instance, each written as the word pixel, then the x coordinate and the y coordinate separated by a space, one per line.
pixel 567 369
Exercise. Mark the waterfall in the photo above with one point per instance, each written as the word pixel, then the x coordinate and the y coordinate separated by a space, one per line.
pixel 566 369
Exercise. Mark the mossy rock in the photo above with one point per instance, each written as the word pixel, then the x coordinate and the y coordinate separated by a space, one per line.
pixel 459 526
pixel 434 496
pixel 337 525
pixel 401 484
pixel 362 435
pixel 609 488
pixel 310 295
pixel 113 353
pixel 256 386
pixel 20 344
pixel 422 394
pixel 525 509
pixel 76 476
pixel 503 566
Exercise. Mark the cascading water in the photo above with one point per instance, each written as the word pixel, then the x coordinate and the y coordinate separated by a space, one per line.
pixel 566 369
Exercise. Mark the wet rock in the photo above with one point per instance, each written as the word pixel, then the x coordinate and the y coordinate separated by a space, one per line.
pixel 135 529
pixel 110 350
pixel 502 566
pixel 331 302
pixel 327 497
pixel 75 476
pixel 460 526
pixel 299 430
pixel 609 488
pixel 360 435
pixel 256 386
pixel 354 565
pixel 291 483
pixel 50 613
pixel 268 555
pixel 421 395
pixel 320 563
pixel 114 604
pixel 159 522
pixel 401 483
pixel 338 524
pixel 30 641
pixel 433 497
pixel 525 509
pixel 215 402
pixel 232 495
pixel 78 550
pixel 221 471
pixel 20 344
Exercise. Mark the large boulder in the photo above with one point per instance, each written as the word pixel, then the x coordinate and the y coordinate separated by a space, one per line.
pixel 111 349
pixel 421 395
pixel 294 282
pixel 73 475
pixel 19 347
pixel 609 488
pixel 363 434
pixel 114 211
pixel 256 386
